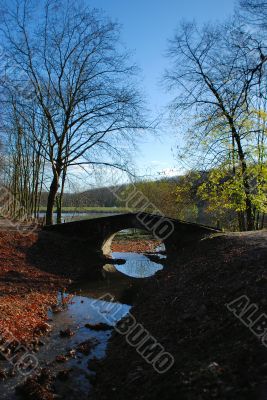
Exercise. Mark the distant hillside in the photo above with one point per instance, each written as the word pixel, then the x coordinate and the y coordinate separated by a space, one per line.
pixel 99 197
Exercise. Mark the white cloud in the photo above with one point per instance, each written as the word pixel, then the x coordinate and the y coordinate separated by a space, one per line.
pixel 168 172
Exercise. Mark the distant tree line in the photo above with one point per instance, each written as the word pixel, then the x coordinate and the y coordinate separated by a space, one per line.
pixel 182 197
pixel 97 197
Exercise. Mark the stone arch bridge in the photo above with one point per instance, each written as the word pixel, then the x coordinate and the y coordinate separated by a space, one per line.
pixel 98 233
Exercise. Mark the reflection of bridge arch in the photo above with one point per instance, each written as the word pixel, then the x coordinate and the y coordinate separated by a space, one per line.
pixel 99 232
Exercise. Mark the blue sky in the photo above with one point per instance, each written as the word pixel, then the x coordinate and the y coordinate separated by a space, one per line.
pixel 146 27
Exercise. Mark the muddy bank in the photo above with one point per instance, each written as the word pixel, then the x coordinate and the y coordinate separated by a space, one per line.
pixel 184 308
pixel 33 268
pixel 26 292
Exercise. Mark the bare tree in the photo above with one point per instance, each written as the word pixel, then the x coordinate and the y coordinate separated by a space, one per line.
pixel 79 81
pixel 255 12
pixel 216 71
pixel 25 162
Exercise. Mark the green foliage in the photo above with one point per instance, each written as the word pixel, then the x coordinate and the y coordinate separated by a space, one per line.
pixel 225 190
pixel 186 197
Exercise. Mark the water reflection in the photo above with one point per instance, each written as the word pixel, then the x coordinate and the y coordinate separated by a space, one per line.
pixel 80 311
pixel 136 265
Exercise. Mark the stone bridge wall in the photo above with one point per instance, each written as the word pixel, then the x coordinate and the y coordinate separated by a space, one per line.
pixel 99 232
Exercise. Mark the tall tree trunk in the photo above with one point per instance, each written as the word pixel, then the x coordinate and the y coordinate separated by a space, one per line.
pixel 59 208
pixel 262 221
pixel 51 198
pixel 250 223
pixel 241 221
pixel 59 198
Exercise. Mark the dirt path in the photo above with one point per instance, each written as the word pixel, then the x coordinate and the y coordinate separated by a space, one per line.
pixel 184 308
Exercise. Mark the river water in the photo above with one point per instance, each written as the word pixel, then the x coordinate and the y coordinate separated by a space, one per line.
pixel 91 303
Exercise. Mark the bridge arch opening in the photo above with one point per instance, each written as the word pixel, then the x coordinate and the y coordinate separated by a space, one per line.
pixel 135 253
pixel 133 240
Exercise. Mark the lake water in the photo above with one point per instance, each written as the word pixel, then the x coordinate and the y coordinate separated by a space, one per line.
pixel 78 216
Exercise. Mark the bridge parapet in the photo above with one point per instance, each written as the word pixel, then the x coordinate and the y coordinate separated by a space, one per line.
pixel 99 232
